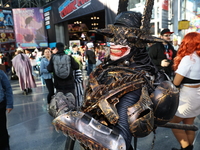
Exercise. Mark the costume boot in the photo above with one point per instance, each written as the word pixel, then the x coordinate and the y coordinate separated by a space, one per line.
pixel 189 147
pixel 89 132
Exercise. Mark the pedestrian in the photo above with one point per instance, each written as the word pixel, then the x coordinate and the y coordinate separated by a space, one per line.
pixel 23 69
pixel 32 58
pixel 62 66
pixel 187 77
pixel 175 44
pixel 162 54
pixel 54 50
pixel 76 54
pixel 46 75
pixel 6 104
pixel 91 58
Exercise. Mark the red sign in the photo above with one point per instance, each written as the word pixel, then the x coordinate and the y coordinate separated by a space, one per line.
pixel 165 4
pixel 69 7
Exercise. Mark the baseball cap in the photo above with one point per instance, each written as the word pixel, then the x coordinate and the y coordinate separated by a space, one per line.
pixel 164 31
pixel 90 45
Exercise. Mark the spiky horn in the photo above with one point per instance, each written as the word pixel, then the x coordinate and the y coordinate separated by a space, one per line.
pixel 123 4
pixel 146 17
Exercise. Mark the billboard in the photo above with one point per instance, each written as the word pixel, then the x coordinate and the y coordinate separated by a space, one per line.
pixel 7 38
pixel 29 28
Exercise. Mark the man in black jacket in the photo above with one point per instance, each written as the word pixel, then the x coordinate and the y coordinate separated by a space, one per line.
pixel 63 85
pixel 162 54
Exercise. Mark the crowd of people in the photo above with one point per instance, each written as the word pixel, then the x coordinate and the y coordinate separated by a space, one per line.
pixel 179 63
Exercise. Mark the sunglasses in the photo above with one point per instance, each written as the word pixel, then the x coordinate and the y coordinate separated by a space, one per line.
pixel 167 35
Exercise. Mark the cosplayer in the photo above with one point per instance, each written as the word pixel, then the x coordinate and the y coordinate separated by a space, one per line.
pixel 120 98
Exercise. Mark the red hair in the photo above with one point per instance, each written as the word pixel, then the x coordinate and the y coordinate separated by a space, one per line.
pixel 189 44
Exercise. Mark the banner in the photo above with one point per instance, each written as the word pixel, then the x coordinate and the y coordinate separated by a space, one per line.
pixel 70 9
pixel 7 38
pixel 29 28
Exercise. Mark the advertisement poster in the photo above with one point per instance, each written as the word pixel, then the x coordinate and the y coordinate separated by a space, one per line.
pixel 29 28
pixel 7 38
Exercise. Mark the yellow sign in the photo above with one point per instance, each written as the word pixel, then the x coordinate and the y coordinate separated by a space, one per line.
pixel 183 25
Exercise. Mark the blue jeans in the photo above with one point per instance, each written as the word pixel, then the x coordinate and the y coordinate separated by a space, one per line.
pixel 89 68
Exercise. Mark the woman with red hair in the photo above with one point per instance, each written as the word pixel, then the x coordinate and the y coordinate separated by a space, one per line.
pixel 187 68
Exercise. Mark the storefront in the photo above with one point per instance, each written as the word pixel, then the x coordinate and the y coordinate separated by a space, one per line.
pixel 67 20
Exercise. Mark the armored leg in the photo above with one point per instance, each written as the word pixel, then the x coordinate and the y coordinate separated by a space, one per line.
pixel 89 132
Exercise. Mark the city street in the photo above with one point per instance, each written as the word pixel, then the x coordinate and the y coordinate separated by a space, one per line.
pixel 30 128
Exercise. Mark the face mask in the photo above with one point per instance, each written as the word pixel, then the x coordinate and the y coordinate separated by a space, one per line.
pixel 118 51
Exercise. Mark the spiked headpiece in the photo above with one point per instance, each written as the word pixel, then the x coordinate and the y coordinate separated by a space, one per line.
pixel 131 28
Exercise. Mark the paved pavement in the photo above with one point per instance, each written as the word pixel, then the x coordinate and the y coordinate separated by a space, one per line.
pixel 30 128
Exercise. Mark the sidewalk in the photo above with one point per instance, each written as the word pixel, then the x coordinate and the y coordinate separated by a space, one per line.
pixel 29 124
pixel 30 128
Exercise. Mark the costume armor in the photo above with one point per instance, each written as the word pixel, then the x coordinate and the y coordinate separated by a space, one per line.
pixel 73 123
pixel 109 84
pixel 164 105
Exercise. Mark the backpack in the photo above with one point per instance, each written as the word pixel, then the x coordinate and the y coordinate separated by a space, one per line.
pixel 62 65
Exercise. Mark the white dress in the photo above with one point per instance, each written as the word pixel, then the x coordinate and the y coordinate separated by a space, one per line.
pixel 189 99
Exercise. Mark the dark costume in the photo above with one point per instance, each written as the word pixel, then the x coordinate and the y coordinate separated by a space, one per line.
pixel 117 104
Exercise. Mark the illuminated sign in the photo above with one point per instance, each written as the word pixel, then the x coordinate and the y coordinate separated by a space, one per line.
pixel 70 6
pixel 47 17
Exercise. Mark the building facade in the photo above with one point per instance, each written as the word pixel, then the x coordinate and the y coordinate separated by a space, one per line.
pixel 63 17
pixel 170 13
pixel 69 20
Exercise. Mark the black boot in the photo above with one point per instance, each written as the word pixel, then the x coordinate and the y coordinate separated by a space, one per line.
pixel 25 92
pixel 131 148
pixel 29 90
pixel 189 147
